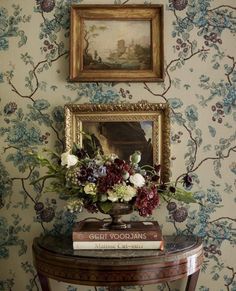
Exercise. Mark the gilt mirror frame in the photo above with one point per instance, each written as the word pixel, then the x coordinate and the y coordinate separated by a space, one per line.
pixel 116 43
pixel 115 120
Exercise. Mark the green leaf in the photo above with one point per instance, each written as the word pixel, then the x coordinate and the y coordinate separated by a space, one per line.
pixel 105 206
pixel 183 195
pixel 74 149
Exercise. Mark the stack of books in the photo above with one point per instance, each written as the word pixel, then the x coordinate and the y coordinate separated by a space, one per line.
pixel 140 235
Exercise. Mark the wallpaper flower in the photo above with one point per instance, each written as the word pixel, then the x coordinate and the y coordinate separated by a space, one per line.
pixel 200 85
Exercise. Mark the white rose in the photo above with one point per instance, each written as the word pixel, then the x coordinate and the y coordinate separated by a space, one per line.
pixel 68 160
pixel 137 180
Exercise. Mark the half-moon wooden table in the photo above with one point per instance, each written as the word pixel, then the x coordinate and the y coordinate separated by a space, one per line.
pixel 55 258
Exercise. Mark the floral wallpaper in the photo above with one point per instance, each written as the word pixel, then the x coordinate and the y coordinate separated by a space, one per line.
pixel 200 85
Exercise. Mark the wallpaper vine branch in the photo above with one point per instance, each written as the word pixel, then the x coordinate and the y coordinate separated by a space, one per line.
pixel 199 85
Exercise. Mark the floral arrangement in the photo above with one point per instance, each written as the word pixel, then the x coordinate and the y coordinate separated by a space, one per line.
pixel 95 181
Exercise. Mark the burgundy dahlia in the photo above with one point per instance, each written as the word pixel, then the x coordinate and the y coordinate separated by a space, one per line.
pixel 122 166
pixel 106 182
pixel 146 201
pixel 119 162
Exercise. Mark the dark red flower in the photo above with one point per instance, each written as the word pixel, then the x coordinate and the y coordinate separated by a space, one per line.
pixel 122 165
pixel 119 162
pixel 114 176
pixel 81 153
pixel 146 201
pixel 84 174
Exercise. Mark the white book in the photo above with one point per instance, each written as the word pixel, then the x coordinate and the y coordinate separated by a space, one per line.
pixel 119 245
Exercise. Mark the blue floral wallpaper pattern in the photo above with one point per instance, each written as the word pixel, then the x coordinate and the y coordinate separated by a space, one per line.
pixel 200 85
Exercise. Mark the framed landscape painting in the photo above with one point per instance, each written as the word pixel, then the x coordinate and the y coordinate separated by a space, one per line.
pixel 122 129
pixel 116 43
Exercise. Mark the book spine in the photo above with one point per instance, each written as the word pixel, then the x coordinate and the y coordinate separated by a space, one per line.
pixel 117 236
pixel 120 245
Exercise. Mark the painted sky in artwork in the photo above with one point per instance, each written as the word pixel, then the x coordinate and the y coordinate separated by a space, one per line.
pixel 147 126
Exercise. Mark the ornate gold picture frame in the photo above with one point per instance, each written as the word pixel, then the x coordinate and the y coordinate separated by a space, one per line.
pixel 122 129
pixel 116 43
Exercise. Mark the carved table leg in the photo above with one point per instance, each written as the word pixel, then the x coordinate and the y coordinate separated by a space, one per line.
pixel 44 282
pixel 192 281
